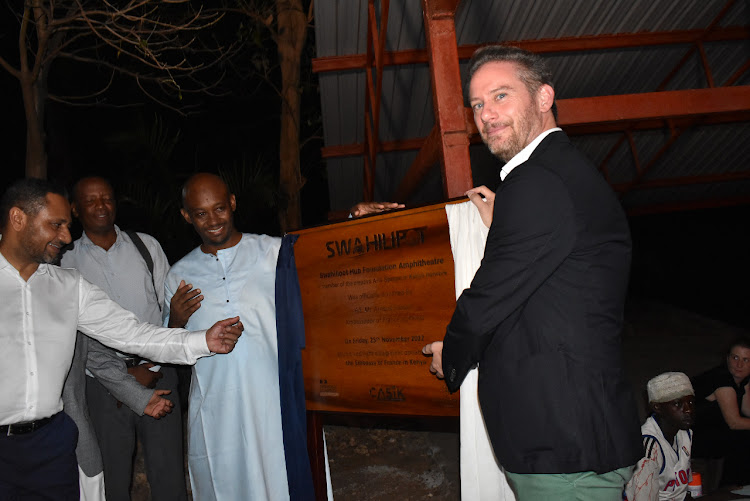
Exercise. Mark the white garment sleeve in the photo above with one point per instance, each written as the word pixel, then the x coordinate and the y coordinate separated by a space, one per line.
pixel 104 320
pixel 91 488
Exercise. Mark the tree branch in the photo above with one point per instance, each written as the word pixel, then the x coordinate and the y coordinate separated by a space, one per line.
pixel 22 51
pixel 9 68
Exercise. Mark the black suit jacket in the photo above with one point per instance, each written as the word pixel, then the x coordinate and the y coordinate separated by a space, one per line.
pixel 543 318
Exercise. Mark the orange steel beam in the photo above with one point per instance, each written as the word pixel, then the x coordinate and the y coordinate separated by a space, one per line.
pixel 368 184
pixel 384 8
pixel 653 105
pixel 368 175
pixel 547 46
pixel 613 127
pixel 738 74
pixel 690 104
pixel 429 155
pixel 706 65
pixel 633 151
pixel 674 133
pixel 444 7
pixel 375 48
pixel 635 183
pixel 357 149
pixel 603 166
pixel 707 31
pixel 447 98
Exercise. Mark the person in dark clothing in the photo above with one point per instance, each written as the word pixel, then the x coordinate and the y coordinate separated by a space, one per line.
pixel 722 421
pixel 544 312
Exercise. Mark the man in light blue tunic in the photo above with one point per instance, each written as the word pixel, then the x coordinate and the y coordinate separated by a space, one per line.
pixel 235 442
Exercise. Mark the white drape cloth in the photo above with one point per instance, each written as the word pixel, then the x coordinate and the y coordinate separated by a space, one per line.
pixel 482 479
pixel 92 488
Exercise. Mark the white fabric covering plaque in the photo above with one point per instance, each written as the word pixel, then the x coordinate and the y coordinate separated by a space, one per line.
pixel 482 479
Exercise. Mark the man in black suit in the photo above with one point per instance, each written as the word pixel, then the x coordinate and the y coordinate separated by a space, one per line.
pixel 544 312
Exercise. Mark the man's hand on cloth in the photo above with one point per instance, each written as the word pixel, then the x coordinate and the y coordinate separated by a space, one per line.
pixel 484 199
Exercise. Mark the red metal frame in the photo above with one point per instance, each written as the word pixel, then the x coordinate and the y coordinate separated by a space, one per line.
pixel 429 155
pixel 454 129
pixel 727 94
pixel 447 100
pixel 607 114
pixel 547 46
pixel 375 49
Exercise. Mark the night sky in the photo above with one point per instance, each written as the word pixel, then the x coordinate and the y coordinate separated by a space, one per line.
pixel 234 133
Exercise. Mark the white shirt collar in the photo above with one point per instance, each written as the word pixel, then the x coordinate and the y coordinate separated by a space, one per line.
pixel 525 153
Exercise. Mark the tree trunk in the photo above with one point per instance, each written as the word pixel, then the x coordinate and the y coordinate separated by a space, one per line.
pixel 32 77
pixel 36 155
pixel 292 27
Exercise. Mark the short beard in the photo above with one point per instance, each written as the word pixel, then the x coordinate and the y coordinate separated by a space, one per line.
pixel 508 149
pixel 38 257
pixel 514 144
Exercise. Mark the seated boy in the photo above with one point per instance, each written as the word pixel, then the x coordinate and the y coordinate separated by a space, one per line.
pixel 664 471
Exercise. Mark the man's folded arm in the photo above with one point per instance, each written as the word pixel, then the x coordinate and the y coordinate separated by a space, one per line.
pixel 532 232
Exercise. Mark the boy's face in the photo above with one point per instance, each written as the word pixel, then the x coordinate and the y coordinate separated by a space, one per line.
pixel 678 412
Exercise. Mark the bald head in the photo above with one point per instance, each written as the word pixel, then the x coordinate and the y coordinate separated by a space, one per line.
pixel 208 205
pixel 204 181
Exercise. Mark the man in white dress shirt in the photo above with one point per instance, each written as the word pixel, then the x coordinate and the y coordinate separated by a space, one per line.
pixel 42 308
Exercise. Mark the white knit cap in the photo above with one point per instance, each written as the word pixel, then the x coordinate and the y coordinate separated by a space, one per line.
pixel 669 386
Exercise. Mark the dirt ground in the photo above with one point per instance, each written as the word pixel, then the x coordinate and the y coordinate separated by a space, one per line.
pixel 382 459
pixel 389 459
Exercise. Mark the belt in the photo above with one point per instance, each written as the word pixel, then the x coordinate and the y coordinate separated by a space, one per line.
pixel 24 428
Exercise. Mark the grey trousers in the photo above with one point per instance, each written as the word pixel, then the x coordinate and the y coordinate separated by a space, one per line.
pixel 116 430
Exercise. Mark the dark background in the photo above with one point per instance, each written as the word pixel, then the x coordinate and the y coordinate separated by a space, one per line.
pixel 697 260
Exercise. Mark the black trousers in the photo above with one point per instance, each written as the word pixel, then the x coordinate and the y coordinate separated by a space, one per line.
pixel 41 465
pixel 116 431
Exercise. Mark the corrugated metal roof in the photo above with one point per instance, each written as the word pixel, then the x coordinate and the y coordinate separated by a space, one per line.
pixel 406 107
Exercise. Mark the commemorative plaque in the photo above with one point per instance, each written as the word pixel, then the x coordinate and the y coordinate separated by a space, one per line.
pixel 374 291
